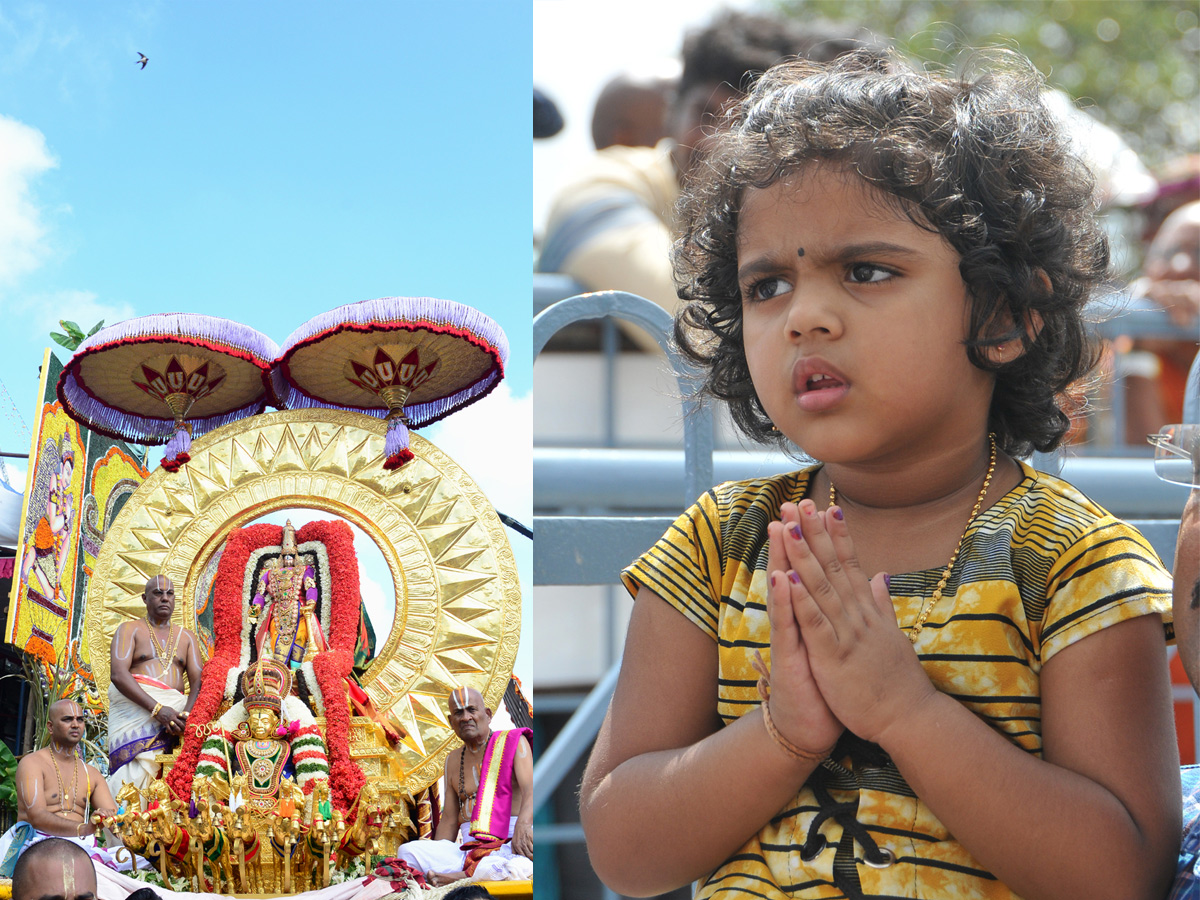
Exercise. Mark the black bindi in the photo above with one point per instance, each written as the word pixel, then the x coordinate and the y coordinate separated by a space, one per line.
pixel 800 252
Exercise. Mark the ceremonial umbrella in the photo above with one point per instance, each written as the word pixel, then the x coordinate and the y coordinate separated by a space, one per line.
pixel 411 360
pixel 157 379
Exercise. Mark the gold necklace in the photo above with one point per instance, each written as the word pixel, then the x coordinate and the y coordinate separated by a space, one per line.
pixel 62 785
pixel 941 585
pixel 163 656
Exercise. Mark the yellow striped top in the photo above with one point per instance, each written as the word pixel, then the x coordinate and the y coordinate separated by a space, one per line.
pixel 1040 569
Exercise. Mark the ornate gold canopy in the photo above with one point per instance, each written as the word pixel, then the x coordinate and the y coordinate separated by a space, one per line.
pixel 458 598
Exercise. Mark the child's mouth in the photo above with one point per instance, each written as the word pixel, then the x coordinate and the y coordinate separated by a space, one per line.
pixel 821 383
pixel 817 386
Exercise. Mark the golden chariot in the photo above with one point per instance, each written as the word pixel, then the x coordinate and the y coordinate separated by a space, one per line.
pixel 197 521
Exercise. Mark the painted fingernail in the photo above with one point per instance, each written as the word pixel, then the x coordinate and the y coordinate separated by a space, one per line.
pixel 793 577
pixel 887 581
pixel 794 531
pixel 837 513
pixel 772 579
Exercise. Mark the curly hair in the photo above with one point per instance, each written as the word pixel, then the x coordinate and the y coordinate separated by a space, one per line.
pixel 976 158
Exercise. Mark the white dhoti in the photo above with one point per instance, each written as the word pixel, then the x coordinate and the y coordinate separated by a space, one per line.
pixel 22 836
pixel 447 856
pixel 134 736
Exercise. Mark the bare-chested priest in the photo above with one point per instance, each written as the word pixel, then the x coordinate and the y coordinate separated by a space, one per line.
pixel 150 660
pixel 482 818
pixel 57 792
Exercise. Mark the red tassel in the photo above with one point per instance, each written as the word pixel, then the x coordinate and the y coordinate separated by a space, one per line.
pixel 174 465
pixel 396 460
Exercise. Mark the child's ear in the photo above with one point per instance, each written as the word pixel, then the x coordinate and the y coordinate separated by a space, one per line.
pixel 1002 354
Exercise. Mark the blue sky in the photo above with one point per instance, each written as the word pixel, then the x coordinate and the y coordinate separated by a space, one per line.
pixel 272 161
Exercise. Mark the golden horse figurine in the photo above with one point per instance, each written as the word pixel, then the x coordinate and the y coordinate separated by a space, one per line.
pixel 324 830
pixel 162 817
pixel 246 850
pixel 397 824
pixel 285 830
pixel 209 841
pixel 127 824
pixel 368 825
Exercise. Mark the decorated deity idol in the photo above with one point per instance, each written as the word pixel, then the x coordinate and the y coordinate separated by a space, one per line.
pixel 252 743
pixel 288 630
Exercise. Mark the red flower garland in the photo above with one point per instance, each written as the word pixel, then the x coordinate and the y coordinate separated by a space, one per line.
pixel 227 646
pixel 331 668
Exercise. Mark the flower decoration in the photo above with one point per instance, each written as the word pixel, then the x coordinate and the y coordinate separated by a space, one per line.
pixel 288 731
pixel 231 650
pixel 230 637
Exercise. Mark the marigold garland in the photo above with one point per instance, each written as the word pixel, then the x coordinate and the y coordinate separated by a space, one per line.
pixel 345 777
pixel 227 646
pixel 333 667
pixel 231 653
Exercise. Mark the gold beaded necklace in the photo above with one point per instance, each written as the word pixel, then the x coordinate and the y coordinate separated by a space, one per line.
pixel 164 656
pixel 66 802
pixel 941 585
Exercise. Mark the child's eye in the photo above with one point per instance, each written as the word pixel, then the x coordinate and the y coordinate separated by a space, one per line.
pixel 766 289
pixel 868 273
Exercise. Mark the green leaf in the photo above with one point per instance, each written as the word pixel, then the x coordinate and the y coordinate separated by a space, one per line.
pixel 96 328
pixel 70 327
pixel 69 342
pixel 8 776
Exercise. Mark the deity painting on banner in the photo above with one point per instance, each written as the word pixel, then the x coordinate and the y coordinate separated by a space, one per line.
pixel 41 619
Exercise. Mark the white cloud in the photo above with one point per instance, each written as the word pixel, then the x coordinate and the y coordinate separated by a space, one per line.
pixel 491 440
pixel 80 307
pixel 15 473
pixel 23 157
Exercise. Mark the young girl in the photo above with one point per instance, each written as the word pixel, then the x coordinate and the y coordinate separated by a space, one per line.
pixel 888 270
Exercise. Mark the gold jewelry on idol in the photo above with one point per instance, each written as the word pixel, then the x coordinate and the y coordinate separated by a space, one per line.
pixel 287 546
pixel 941 585
pixel 265 684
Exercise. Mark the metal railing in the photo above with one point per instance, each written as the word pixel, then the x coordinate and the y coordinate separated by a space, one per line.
pixel 649 487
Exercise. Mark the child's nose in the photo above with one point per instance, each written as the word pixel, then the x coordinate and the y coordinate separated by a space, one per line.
pixel 813 311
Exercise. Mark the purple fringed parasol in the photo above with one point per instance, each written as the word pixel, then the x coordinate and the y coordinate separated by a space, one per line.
pixel 411 360
pixel 157 379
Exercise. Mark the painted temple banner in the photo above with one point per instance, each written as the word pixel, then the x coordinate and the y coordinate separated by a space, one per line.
pixel 77 482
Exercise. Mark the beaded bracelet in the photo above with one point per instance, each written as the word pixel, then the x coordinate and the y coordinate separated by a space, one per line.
pixel 154 712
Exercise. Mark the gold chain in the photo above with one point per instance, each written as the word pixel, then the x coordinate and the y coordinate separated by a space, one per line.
pixel 62 785
pixel 941 585
pixel 163 656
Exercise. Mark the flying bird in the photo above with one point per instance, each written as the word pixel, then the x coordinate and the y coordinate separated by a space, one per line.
pixel 142 60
